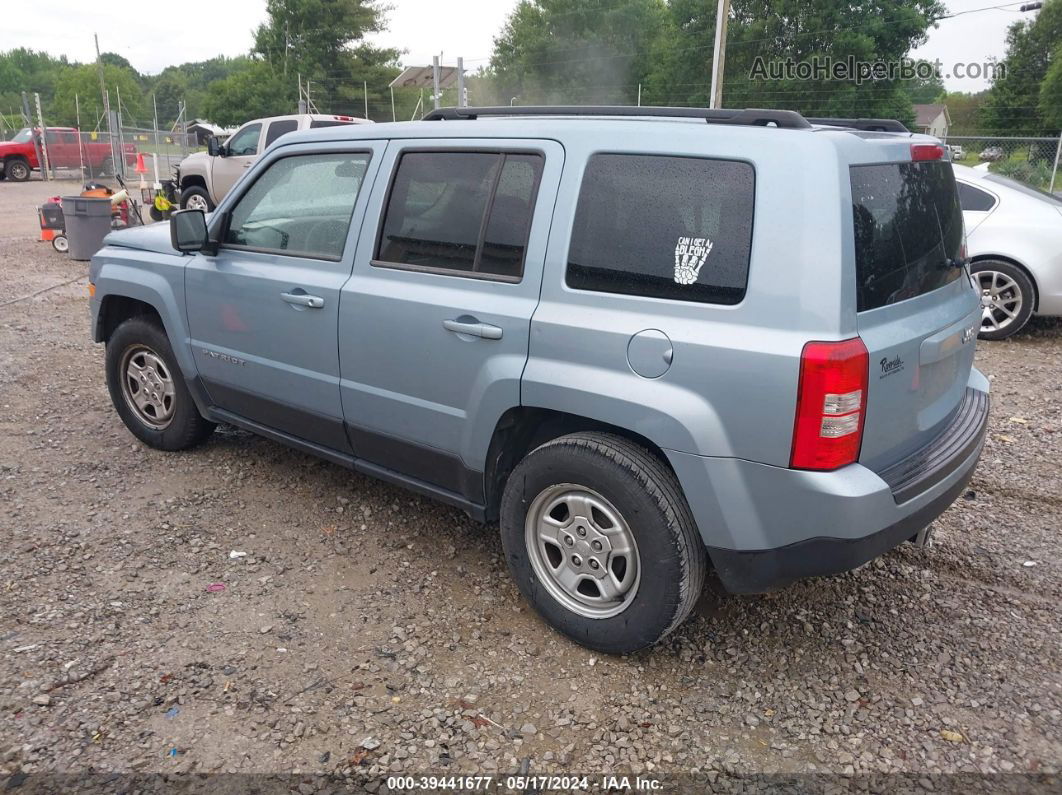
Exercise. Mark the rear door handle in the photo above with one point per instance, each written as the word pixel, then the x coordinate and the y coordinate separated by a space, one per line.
pixel 473 328
pixel 301 299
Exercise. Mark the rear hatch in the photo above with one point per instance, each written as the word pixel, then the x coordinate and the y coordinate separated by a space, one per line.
pixel 917 311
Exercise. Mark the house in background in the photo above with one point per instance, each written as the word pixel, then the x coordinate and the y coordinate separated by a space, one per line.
pixel 932 120
pixel 203 129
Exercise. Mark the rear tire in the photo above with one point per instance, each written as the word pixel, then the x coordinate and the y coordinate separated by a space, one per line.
pixel 148 390
pixel 196 198
pixel 17 170
pixel 622 564
pixel 1007 298
pixel 61 244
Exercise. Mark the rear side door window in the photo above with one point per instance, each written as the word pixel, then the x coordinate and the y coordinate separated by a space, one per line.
pixel 460 212
pixel 663 227
pixel 279 128
pixel 301 206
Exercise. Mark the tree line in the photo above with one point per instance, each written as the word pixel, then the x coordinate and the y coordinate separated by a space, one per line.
pixel 576 52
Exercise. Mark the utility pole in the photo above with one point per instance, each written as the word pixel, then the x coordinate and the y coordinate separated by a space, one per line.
pixel 365 89
pixel 435 79
pixel 719 56
pixel 462 100
pixel 287 45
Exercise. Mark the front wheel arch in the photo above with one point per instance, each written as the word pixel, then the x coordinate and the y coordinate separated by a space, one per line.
pixel 116 309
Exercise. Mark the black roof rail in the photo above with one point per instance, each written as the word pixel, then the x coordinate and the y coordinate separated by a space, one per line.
pixel 788 119
pixel 867 125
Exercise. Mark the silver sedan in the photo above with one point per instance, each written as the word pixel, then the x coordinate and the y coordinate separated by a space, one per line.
pixel 1014 241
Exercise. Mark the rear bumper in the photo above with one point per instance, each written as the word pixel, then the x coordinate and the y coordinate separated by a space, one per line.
pixel 766 527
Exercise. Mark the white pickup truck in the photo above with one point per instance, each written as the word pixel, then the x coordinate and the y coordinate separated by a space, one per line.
pixel 205 177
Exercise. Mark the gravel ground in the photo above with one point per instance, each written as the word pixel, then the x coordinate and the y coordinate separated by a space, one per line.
pixel 363 631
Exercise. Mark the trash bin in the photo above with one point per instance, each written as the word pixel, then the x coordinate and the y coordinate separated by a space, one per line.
pixel 87 222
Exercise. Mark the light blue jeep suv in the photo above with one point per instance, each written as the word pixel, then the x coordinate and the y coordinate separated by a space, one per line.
pixel 645 341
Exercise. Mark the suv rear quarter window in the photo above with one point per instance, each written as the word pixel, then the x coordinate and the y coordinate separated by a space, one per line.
pixel 663 227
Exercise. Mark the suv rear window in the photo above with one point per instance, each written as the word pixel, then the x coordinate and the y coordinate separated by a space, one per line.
pixel 908 228
pixel 663 227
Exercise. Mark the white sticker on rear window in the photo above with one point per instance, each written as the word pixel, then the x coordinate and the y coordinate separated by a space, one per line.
pixel 690 254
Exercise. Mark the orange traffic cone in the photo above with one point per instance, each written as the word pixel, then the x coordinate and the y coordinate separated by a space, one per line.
pixel 140 167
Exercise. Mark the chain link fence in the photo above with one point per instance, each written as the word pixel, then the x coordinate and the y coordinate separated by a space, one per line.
pixel 166 148
pixel 105 151
pixel 1033 161
pixel 97 155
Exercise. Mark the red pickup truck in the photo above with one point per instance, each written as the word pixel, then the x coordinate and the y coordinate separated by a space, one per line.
pixel 66 149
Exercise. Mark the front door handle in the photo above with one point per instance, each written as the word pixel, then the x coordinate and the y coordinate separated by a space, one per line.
pixel 302 299
pixel 473 328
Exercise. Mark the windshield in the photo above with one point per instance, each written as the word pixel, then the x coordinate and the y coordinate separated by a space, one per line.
pixel 23 136
pixel 1028 190
pixel 908 230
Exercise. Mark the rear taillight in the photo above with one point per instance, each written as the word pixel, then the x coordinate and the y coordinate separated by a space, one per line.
pixel 927 152
pixel 831 404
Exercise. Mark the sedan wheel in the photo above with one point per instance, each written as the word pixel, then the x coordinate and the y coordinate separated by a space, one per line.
pixel 1008 297
pixel 1001 300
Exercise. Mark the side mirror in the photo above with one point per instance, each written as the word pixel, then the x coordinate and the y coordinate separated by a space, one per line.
pixel 214 147
pixel 188 231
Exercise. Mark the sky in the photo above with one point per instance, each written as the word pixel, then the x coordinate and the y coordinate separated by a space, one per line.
pixel 195 30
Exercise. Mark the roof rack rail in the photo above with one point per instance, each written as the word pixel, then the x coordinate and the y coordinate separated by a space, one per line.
pixel 788 119
pixel 867 125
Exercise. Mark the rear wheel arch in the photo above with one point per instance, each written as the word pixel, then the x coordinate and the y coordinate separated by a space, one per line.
pixel 521 429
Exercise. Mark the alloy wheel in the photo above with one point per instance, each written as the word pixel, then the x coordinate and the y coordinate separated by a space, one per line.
pixel 1001 300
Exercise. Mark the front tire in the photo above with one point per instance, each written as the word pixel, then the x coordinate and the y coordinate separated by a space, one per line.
pixel 148 390
pixel 601 542
pixel 1007 297
pixel 196 198
pixel 17 170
